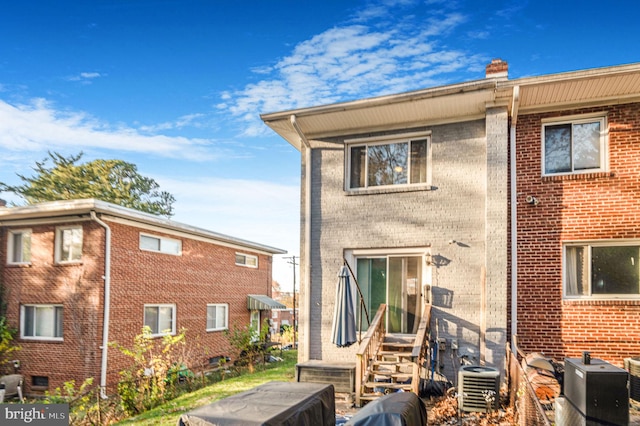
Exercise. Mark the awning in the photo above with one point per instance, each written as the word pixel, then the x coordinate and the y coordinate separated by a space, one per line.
pixel 262 303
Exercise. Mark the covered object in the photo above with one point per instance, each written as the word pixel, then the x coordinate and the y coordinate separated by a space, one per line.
pixel 395 409
pixel 274 403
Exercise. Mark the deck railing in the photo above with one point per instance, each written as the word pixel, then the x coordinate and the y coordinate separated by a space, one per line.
pixel 420 347
pixel 368 349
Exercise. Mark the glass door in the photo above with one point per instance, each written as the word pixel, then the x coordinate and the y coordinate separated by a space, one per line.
pixel 396 281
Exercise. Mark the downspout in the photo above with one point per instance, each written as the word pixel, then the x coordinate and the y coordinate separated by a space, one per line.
pixel 107 297
pixel 306 344
pixel 514 219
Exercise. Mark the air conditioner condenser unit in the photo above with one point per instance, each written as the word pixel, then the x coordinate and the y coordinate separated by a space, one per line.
pixel 478 388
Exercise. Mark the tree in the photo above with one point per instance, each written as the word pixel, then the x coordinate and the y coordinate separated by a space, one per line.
pixel 113 181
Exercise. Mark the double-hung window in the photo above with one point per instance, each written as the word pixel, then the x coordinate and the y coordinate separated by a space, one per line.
pixel 41 322
pixel 383 162
pixel 161 319
pixel 68 244
pixel 602 270
pixel 160 244
pixel 19 247
pixel 574 145
pixel 246 260
pixel 217 317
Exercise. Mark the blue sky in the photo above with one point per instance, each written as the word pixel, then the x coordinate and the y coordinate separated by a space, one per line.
pixel 177 86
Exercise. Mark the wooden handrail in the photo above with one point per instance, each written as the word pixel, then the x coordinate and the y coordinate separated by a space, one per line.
pixel 420 347
pixel 368 348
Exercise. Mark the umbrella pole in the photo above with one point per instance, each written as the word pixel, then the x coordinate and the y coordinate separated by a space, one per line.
pixel 362 304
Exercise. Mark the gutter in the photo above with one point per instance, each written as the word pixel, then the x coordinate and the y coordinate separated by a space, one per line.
pixel 514 218
pixel 306 344
pixel 107 297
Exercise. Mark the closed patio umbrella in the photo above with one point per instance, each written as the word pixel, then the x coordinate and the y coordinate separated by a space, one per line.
pixel 343 333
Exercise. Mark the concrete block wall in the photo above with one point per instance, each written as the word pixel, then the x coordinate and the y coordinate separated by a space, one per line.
pixel 595 206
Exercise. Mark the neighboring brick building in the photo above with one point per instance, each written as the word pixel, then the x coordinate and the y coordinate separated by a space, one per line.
pixel 62 260
pixel 577 166
pixel 421 185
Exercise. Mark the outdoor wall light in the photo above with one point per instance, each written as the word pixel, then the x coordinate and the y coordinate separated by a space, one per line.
pixel 532 200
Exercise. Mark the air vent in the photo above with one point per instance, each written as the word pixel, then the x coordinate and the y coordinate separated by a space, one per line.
pixel 478 388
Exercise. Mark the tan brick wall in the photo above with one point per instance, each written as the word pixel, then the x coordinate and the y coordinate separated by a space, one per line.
pixel 205 273
pixel 590 207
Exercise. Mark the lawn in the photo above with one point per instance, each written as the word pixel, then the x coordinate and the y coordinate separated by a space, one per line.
pixel 169 413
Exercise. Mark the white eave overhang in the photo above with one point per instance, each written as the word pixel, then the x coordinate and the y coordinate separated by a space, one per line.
pixel 459 102
pixel 577 89
pixel 80 209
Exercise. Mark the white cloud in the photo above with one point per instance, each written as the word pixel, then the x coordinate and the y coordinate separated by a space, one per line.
pixel 366 57
pixel 85 77
pixel 39 126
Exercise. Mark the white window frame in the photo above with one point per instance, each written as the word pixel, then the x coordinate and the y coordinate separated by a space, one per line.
pixel 59 241
pixel 245 262
pixel 158 306
pixel 23 234
pixel 165 245
pixel 588 246
pixel 216 307
pixel 58 315
pixel 573 120
pixel 388 140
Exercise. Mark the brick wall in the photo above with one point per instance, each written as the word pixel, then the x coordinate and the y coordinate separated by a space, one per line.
pixel 596 206
pixel 455 209
pixel 205 273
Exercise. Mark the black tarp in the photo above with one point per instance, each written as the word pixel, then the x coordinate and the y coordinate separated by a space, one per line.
pixel 395 409
pixel 271 404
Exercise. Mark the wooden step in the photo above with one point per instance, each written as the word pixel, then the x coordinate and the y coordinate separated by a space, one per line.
pixel 386 385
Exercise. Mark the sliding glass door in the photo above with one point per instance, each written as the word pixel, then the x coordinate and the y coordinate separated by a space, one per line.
pixel 396 281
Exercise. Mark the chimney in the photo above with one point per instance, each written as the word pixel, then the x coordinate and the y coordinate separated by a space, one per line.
pixel 3 203
pixel 497 69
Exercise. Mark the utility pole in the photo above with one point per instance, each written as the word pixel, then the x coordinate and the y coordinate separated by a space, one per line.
pixel 292 261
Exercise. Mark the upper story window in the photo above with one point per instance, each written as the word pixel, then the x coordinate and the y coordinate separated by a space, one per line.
pixel 19 247
pixel 217 317
pixel 42 322
pixel 161 319
pixel 378 162
pixel 246 260
pixel 160 244
pixel 574 145
pixel 68 244
pixel 602 270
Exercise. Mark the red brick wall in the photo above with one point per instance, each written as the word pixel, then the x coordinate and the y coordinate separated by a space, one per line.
pixel 205 273
pixel 587 207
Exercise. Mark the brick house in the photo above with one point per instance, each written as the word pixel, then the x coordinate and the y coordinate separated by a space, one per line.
pixel 576 279
pixel 79 274
pixel 414 191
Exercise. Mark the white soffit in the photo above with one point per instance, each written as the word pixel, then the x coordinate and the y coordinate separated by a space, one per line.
pixel 580 89
pixel 413 109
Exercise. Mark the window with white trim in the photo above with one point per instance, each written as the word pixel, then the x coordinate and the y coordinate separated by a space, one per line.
pixel 19 247
pixel 217 316
pixel 246 260
pixel 574 145
pixel 604 270
pixel 68 244
pixel 41 322
pixel 160 244
pixel 161 319
pixel 378 162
